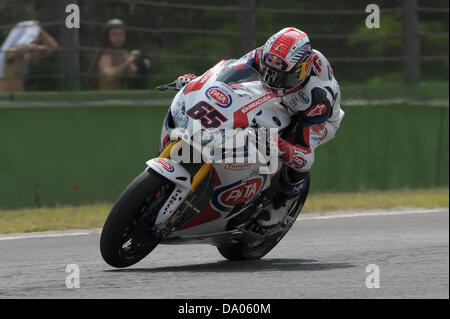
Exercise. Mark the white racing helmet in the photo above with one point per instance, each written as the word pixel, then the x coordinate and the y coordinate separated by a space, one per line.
pixel 286 59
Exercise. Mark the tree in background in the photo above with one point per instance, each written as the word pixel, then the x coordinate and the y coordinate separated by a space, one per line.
pixel 180 40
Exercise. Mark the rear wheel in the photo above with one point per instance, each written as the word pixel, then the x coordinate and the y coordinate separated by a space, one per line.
pixel 250 251
pixel 126 236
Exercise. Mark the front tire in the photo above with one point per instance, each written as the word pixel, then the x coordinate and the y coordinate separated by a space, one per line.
pixel 126 237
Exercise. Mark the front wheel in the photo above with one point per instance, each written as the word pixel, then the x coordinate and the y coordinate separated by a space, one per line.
pixel 126 236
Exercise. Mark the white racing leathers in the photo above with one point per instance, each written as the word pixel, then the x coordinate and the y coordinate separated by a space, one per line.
pixel 316 115
pixel 316 112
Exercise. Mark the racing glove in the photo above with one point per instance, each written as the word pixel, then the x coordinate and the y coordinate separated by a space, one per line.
pixel 183 80
pixel 293 155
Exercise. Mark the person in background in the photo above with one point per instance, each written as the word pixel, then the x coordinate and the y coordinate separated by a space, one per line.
pixel 27 41
pixel 113 64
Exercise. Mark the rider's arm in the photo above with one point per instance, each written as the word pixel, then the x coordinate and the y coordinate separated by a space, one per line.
pixel 250 60
pixel 326 131
pixel 317 114
pixel 315 126
pixel 332 126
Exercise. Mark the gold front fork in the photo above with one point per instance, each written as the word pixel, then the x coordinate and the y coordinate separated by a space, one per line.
pixel 200 175
pixel 166 152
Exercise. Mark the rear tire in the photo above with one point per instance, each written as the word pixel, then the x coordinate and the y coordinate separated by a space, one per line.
pixel 241 251
pixel 125 221
pixel 232 253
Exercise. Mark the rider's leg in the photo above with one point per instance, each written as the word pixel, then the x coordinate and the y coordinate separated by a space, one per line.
pixel 292 185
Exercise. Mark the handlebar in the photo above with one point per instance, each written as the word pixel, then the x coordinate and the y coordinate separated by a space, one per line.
pixel 168 86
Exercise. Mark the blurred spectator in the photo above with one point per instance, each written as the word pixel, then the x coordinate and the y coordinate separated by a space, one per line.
pixel 27 41
pixel 114 65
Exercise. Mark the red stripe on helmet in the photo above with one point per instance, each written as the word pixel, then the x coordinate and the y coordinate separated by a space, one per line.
pixel 285 41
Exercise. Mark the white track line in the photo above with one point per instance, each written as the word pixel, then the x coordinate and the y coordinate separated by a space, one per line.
pixel 47 235
pixel 371 214
pixel 300 219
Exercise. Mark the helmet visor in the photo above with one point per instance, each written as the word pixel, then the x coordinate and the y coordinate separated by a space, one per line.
pixel 276 79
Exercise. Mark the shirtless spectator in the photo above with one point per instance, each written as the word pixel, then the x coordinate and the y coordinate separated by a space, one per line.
pixel 27 41
pixel 113 64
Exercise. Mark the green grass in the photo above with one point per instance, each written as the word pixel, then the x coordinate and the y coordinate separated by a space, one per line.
pixel 53 218
pixel 430 198
pixel 93 216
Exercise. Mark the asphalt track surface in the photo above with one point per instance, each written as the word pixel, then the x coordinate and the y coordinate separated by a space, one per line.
pixel 323 256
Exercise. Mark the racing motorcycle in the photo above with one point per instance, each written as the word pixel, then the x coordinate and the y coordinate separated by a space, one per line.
pixel 209 200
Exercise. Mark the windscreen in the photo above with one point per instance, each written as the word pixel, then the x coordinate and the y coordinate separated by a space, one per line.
pixel 234 71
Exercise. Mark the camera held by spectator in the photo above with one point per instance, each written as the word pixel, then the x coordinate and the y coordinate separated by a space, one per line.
pixel 114 65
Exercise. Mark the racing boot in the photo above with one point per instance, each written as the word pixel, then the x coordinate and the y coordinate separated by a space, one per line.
pixel 292 185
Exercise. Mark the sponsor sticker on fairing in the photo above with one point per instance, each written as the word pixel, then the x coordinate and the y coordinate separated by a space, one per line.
pixel 247 108
pixel 242 192
pixel 240 116
pixel 222 98
pixel 237 166
pixel 166 165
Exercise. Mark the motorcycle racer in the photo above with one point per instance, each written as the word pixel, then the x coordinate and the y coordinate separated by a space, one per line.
pixel 303 79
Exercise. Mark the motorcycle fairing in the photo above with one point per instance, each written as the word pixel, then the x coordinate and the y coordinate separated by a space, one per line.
pixel 239 103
